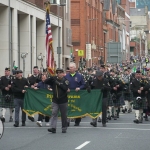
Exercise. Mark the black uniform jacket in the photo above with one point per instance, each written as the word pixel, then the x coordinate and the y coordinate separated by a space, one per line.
pixel 60 87
pixel 34 79
pixel 4 82
pixel 116 81
pixel 101 84
pixel 135 86
pixel 17 86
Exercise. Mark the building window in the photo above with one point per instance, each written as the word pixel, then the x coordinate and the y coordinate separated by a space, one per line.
pixel 131 49
pixel 68 36
pixel 75 22
pixel 119 2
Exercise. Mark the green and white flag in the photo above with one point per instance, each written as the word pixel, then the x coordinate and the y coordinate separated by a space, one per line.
pixel 80 103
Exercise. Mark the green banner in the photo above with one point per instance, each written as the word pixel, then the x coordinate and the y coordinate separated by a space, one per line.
pixel 80 103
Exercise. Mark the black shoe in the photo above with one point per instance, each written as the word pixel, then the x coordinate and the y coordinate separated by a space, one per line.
pixel 76 124
pixel 123 110
pixel 109 118
pixel 2 119
pixel 11 119
pixel 104 125
pixel 53 130
pixel 146 118
pixel 115 117
pixel 94 124
pixel 64 131
pixel 31 118
pixel 23 123
pixel 99 120
pixel 130 110
pixel 136 121
pixel 112 116
pixel 72 120
pixel 16 124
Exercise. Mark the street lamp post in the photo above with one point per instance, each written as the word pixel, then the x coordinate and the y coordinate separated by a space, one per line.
pixel 23 56
pixel 59 47
pixel 41 57
pixel 88 34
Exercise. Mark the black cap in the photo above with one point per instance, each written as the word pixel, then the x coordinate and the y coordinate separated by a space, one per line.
pixel 60 70
pixel 112 70
pixel 18 71
pixel 67 69
pixel 99 73
pixel 44 70
pixel 89 69
pixel 102 66
pixel 35 67
pixel 8 69
pixel 129 68
pixel 138 71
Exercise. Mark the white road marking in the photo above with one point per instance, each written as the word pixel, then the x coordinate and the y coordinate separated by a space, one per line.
pixel 82 145
pixel 107 128
pixel 117 123
pixel 142 124
pixel 118 135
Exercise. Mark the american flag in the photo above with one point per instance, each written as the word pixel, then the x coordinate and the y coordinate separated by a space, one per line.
pixel 49 47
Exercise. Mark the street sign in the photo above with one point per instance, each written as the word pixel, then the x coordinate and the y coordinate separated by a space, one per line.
pixel 80 52
pixel 88 51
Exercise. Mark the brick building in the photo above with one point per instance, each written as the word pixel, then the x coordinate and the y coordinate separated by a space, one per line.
pixel 22 26
pixel 92 23
pixel 124 22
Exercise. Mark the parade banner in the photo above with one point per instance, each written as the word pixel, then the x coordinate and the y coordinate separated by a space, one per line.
pixel 80 103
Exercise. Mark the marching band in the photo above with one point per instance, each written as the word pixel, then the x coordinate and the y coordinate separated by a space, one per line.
pixel 123 90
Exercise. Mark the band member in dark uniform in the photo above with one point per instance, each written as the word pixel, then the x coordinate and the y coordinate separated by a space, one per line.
pixel 7 95
pixel 139 94
pixel 101 83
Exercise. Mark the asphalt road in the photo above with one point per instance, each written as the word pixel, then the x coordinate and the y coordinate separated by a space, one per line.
pixel 121 134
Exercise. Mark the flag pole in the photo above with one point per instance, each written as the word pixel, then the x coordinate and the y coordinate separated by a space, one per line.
pixel 50 67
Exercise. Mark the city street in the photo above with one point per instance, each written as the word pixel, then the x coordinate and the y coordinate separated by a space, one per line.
pixel 122 134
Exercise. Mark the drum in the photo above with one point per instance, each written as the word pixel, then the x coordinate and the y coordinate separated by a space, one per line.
pixel 1 129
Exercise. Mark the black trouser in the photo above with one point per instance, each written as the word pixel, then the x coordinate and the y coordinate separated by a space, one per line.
pixel 41 117
pixel 63 111
pixel 18 103
pixel 104 110
pixel 77 120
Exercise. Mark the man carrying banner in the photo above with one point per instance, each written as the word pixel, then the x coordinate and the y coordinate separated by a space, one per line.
pixel 18 88
pixel 101 83
pixel 33 81
pixel 42 85
pixel 59 86
pixel 76 82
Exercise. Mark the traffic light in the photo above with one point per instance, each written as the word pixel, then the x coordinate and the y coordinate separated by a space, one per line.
pixel 73 59
pixel 84 62
pixel 130 24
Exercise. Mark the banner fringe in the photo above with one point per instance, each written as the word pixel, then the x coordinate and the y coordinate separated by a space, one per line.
pixel 87 114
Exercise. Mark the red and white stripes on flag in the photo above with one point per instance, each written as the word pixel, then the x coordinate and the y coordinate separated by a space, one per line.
pixel 49 47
